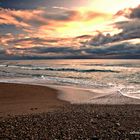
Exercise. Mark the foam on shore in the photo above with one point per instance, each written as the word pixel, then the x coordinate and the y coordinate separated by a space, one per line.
pixel 78 95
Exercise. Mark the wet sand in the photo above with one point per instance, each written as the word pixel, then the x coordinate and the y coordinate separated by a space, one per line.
pixel 76 95
pixel 18 99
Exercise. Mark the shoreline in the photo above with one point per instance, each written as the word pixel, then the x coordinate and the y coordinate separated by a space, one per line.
pixel 66 93
pixel 22 98
pixel 63 88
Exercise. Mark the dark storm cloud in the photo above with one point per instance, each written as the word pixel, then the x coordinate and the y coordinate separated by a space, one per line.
pixel 22 4
pixel 31 42
pixel 115 50
pixel 2 51
pixel 126 34
pixel 46 50
pixel 53 50
pixel 131 13
pixel 73 15
pixel 131 27
pixel 4 29
pixel 120 49
pixel 135 13
pixel 37 22
pixel 41 53
pixel 128 25
pixel 64 16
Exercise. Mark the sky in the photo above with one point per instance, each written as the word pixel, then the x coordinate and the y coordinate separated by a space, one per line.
pixel 55 29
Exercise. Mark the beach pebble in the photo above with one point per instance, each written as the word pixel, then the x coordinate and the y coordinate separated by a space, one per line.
pixel 74 122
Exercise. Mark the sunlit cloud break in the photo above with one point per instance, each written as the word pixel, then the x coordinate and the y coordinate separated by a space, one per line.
pixel 60 29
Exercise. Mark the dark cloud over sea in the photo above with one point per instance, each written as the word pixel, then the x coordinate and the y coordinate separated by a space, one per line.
pixel 25 28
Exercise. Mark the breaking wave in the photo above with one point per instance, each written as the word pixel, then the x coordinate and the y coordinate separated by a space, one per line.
pixel 58 69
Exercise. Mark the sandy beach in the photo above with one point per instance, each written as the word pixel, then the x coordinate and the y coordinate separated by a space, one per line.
pixel 35 112
pixel 20 99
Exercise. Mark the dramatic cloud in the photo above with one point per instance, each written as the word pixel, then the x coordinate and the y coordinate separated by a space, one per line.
pixel 135 13
pixel 120 49
pixel 130 29
pixel 26 4
pixel 126 34
pixel 42 22
pixel 61 29
pixel 130 12
pixel 25 17
pixel 19 18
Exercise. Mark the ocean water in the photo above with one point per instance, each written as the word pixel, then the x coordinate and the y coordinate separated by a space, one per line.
pixel 95 74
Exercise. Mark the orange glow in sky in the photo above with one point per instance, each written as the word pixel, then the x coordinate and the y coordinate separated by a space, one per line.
pixel 86 25
pixel 35 26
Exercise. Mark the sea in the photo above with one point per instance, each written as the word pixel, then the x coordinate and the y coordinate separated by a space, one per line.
pixel 94 74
